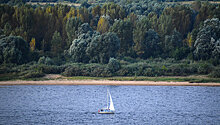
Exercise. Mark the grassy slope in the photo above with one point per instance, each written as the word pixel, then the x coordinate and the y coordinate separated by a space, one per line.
pixel 191 79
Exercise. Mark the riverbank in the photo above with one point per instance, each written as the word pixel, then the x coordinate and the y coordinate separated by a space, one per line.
pixel 105 82
pixel 57 79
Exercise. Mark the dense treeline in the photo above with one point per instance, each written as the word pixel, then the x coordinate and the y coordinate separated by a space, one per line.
pixel 46 25
pixel 92 1
pixel 23 1
pixel 108 34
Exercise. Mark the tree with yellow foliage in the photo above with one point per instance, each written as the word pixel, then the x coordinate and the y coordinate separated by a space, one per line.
pixel 32 44
pixel 103 25
pixel 189 40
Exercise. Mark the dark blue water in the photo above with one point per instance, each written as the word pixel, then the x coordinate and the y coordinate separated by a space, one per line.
pixel 148 105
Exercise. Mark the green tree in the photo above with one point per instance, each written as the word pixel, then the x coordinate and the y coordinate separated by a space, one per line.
pixel 207 44
pixel 45 60
pixel 14 50
pixel 85 4
pixel 124 30
pixel 40 29
pixel 103 47
pixel 72 26
pixel 196 5
pixel 207 11
pixel 7 29
pixel 84 15
pixel 77 50
pixel 154 20
pixel 165 26
pixel 6 14
pixel 113 10
pixel 24 17
pixel 149 46
pixel 71 14
pixel 113 65
pixel 133 18
pixel 56 44
pixel 146 40
pixel 173 42
pixel 178 17
pixel 96 11
pixel 142 26
pixel 94 21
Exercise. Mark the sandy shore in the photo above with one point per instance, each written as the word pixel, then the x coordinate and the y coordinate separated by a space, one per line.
pixel 104 82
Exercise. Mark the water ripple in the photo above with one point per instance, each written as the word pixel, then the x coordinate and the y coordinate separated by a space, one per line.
pixel 64 105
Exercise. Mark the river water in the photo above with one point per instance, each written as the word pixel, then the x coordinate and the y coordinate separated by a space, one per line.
pixel 78 104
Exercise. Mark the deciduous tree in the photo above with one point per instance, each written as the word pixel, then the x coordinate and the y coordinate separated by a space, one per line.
pixel 56 44
pixel 72 26
pixel 124 30
pixel 14 50
pixel 32 44
pixel 207 44
pixel 103 24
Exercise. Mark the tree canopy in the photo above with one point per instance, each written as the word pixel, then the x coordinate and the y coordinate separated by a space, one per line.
pixel 207 42
pixel 94 33
pixel 14 49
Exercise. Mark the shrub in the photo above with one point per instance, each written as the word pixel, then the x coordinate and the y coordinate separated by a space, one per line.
pixel 124 72
pixel 128 70
pixel 179 70
pixel 215 73
pixel 72 71
pixel 52 69
pixel 45 60
pixel 97 70
pixel 149 72
pixel 181 53
pixel 113 65
pixel 205 68
pixel 6 68
pixel 129 59
pixel 33 74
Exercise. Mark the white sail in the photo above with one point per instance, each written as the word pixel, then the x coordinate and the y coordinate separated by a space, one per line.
pixel 111 107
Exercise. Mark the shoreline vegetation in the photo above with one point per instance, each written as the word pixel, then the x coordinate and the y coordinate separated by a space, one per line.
pixel 55 79
pixel 142 70
pixel 106 82
pixel 113 41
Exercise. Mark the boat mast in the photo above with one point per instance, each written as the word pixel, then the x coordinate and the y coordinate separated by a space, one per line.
pixel 107 98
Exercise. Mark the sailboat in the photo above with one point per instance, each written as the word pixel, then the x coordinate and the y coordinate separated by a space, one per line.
pixel 110 106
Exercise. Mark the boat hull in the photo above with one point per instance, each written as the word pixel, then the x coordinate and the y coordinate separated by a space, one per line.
pixel 106 112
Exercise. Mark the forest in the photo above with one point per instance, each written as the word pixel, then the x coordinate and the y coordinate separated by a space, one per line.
pixel 115 38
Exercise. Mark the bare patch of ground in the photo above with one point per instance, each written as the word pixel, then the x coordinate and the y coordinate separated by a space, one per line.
pixel 53 76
